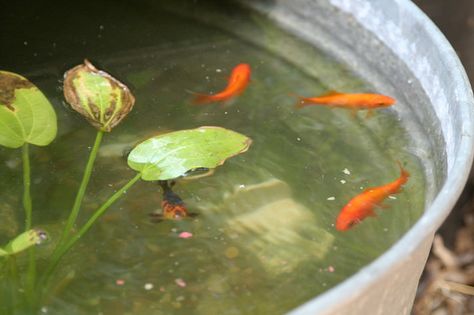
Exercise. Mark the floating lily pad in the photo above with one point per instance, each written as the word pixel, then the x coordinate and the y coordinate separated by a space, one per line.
pixel 26 115
pixel 100 98
pixel 173 154
pixel 24 241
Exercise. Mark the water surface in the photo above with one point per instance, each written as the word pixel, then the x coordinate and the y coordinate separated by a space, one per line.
pixel 264 241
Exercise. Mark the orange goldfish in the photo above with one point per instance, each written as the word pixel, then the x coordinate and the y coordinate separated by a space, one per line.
pixel 238 81
pixel 362 205
pixel 349 101
pixel 172 205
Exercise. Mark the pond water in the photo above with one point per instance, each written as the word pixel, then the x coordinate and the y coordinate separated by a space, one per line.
pixel 264 241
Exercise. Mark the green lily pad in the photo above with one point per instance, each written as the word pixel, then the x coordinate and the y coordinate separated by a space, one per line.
pixel 24 241
pixel 26 115
pixel 100 98
pixel 171 155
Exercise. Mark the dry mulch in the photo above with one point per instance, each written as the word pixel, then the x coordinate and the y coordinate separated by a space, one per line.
pixel 447 284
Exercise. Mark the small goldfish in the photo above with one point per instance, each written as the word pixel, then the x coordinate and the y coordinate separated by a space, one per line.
pixel 362 205
pixel 238 81
pixel 172 205
pixel 349 101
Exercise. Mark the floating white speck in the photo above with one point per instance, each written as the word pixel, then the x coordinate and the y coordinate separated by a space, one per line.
pixel 25 43
pixel 346 171
pixel 218 70
pixel 148 286
pixel 385 230
pixel 332 198
pixel 361 187
pixel 225 113
pixel 241 186
pixel 298 139
pixel 392 197
pixel 44 310
pixel 342 181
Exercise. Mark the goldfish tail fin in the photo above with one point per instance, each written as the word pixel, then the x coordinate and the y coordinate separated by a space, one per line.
pixel 301 102
pixel 200 99
pixel 403 172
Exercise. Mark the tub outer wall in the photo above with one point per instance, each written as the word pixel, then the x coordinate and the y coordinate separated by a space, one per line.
pixel 388 285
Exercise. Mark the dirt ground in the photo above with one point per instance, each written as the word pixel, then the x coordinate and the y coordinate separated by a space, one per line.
pixel 446 286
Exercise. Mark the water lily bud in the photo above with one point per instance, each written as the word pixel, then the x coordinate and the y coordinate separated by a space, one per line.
pixel 100 98
pixel 24 241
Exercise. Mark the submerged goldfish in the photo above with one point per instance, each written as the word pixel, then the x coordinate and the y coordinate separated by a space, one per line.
pixel 172 205
pixel 362 205
pixel 349 101
pixel 238 81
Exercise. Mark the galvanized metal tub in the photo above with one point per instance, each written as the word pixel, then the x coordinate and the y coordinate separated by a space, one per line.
pixel 394 46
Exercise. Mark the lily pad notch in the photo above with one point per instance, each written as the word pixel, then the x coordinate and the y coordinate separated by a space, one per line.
pixel 171 155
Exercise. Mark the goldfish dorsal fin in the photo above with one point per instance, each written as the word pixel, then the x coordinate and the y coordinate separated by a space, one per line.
pixel 331 93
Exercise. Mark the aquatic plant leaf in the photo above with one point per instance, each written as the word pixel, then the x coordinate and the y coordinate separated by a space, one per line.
pixel 24 241
pixel 100 98
pixel 171 155
pixel 26 115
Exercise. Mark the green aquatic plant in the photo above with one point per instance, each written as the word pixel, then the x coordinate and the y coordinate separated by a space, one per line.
pixel 100 98
pixel 104 102
pixel 27 117
pixel 23 241
pixel 171 155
